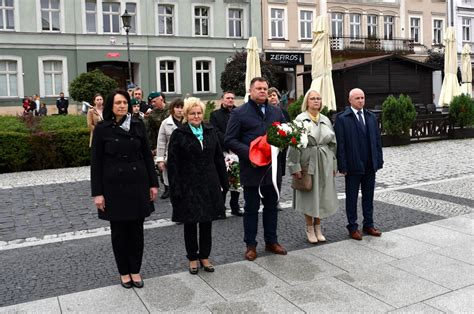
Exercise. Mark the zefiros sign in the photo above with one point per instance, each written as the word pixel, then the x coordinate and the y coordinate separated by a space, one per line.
pixel 285 58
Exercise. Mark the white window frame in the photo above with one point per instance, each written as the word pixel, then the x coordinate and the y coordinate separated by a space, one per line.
pixel 355 28
pixel 134 16
pixel 15 17
pixel 120 12
pixel 441 30
pixel 177 75
pixel 466 26
pixel 242 22
pixel 19 76
pixel 313 14
pixel 284 24
pixel 62 23
pixel 212 75
pixel 420 28
pixel 174 16
pixel 84 18
pixel 209 19
pixel 337 21
pixel 65 84
pixel 386 35
pixel 100 17
pixel 371 25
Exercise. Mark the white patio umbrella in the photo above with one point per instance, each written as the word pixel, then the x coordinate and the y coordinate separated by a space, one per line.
pixel 450 86
pixel 466 70
pixel 253 64
pixel 321 63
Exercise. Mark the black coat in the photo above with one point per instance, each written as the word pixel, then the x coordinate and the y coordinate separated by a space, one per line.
pixel 219 120
pixel 196 175
pixel 349 142
pixel 246 123
pixel 122 170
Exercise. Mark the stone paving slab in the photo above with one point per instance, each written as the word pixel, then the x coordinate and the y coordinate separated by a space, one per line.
pixel 392 285
pixel 456 188
pixel 444 271
pixel 459 301
pixel 330 296
pixel 417 308
pixel 435 235
pixel 458 252
pixel 458 224
pixel 112 299
pixel 49 306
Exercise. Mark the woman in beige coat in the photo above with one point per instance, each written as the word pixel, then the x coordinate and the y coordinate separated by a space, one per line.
pixel 94 114
pixel 320 159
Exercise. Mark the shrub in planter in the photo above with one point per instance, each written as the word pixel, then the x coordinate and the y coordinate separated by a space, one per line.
pixel 12 124
pixel 210 106
pixel 294 109
pixel 60 122
pixel 86 85
pixel 73 146
pixel 15 151
pixel 461 111
pixel 398 115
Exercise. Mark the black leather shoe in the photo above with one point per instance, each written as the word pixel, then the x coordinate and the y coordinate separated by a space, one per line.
pixel 138 284
pixel 165 194
pixel 236 212
pixel 127 285
pixel 209 268
pixel 221 216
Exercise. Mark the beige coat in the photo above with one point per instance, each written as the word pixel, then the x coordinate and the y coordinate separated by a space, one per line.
pixel 93 117
pixel 320 157
pixel 166 128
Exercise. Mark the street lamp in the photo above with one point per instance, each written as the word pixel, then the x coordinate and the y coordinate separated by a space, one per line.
pixel 126 20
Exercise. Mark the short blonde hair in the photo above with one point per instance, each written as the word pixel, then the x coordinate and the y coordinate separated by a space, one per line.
pixel 304 104
pixel 190 103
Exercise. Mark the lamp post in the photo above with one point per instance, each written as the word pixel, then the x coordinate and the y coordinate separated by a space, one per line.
pixel 126 20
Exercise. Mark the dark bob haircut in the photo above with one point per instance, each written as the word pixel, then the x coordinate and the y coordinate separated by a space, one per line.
pixel 177 102
pixel 109 104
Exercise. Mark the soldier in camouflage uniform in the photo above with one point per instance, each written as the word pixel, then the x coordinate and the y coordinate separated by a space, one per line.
pixel 154 119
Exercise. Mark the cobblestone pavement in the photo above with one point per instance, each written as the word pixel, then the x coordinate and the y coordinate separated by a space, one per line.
pixel 42 204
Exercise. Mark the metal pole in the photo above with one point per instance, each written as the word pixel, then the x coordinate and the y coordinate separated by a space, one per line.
pixel 129 62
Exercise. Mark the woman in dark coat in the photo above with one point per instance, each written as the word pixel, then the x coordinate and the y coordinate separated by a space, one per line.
pixel 124 183
pixel 197 176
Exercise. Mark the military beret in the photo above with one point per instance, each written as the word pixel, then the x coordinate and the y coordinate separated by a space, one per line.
pixel 134 101
pixel 153 95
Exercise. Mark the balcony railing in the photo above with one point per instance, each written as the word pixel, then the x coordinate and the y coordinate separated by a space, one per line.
pixel 372 44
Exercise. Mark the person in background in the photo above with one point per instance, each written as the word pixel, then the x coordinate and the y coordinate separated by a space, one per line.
pixel 164 134
pixel 62 104
pixel 319 159
pixel 138 95
pixel 197 175
pixel 219 119
pixel 136 113
pixel 94 114
pixel 359 156
pixel 130 89
pixel 123 183
pixel 155 118
pixel 43 110
pixel 36 99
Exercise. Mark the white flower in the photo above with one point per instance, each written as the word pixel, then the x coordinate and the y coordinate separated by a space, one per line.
pixel 307 126
pixel 303 141
pixel 286 127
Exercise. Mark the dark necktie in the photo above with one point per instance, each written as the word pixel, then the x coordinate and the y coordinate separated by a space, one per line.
pixel 360 120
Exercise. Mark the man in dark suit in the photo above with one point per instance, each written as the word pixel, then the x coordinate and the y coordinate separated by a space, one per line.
pixel 219 120
pixel 359 156
pixel 246 123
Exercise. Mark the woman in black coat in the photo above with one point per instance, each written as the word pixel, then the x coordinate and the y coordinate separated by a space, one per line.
pixel 124 183
pixel 197 176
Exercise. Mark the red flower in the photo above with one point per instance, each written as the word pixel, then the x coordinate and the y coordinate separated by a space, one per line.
pixel 282 133
pixel 293 140
pixel 276 123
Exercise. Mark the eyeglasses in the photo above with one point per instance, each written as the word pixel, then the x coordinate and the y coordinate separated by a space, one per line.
pixel 195 113
pixel 315 98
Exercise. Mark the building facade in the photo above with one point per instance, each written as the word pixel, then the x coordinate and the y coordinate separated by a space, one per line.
pixel 463 20
pixel 177 47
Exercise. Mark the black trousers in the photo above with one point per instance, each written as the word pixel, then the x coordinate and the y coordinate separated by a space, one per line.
pixel 127 244
pixel 193 249
pixel 234 200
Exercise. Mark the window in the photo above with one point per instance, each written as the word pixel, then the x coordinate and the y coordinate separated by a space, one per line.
pixel 235 23
pixel 437 31
pixel 132 10
pixel 50 15
pixel 415 29
pixel 277 18
pixel 7 21
pixel 8 78
pixel 53 75
pixel 111 17
pixel 388 27
pixel 168 75
pixel 165 19
pixel 91 16
pixel 372 26
pixel 201 21
pixel 355 26
pixel 466 29
pixel 203 75
pixel 306 24
pixel 337 23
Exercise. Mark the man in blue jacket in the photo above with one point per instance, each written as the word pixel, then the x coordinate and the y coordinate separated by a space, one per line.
pixel 359 156
pixel 246 123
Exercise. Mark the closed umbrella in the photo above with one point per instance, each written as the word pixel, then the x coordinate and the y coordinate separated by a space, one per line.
pixel 450 86
pixel 321 63
pixel 253 64
pixel 466 70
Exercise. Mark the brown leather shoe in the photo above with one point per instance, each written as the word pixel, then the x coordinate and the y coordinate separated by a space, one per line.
pixel 275 248
pixel 251 253
pixel 356 235
pixel 372 231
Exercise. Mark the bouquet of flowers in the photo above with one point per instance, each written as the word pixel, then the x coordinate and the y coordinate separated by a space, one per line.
pixel 294 133
pixel 233 171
